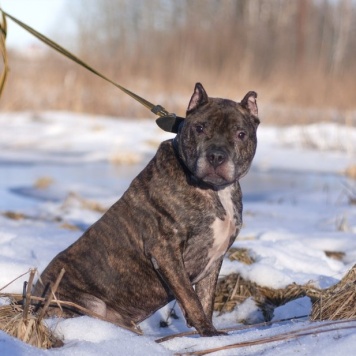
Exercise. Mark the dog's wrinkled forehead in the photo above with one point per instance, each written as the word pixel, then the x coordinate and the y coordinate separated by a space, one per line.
pixel 219 108
pixel 221 116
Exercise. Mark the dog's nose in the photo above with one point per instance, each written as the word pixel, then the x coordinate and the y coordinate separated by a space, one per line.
pixel 216 157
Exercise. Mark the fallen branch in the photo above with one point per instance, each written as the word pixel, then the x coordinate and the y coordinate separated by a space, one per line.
pixel 312 330
pixel 232 328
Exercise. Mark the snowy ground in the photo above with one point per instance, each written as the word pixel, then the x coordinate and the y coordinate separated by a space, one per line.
pixel 57 170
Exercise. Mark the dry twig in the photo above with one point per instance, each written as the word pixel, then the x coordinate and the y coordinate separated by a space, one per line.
pixel 311 330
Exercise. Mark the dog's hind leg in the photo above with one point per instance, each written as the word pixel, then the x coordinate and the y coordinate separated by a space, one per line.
pixel 95 305
pixel 100 309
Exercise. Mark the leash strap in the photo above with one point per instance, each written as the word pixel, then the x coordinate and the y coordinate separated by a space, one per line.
pixel 156 109
pixel 3 32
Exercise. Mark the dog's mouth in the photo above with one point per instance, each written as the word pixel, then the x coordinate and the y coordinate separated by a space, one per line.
pixel 218 176
pixel 216 180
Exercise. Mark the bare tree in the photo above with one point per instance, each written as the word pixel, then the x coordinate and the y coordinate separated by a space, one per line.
pixel 342 23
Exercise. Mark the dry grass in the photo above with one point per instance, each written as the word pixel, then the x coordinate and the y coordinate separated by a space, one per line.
pixel 43 182
pixel 241 254
pixel 28 330
pixel 69 226
pixel 75 199
pixel 336 302
pixel 14 215
pixel 298 80
pixel 79 94
pixel 336 255
pixel 23 317
pixel 351 172
pixel 125 158
pixel 233 290
pixel 20 320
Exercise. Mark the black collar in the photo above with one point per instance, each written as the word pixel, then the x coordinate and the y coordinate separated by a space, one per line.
pixel 179 158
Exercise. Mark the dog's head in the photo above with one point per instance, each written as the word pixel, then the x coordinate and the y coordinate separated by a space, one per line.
pixel 217 140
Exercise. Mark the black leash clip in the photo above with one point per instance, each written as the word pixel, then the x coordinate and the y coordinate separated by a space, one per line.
pixel 170 122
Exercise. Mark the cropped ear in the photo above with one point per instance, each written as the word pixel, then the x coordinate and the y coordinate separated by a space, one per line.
pixel 199 97
pixel 249 102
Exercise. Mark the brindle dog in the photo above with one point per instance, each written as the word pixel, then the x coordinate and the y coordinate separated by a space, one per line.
pixel 166 237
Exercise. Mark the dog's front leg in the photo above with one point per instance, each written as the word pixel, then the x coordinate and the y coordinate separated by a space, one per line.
pixel 168 262
pixel 205 288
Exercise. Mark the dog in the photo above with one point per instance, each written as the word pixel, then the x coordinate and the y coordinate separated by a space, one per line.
pixel 166 237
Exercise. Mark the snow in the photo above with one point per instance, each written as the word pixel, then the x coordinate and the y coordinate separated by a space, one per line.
pixel 296 206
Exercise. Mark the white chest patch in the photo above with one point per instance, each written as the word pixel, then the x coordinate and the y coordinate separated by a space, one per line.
pixel 222 230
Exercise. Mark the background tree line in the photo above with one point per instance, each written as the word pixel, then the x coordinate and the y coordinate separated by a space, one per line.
pixel 294 53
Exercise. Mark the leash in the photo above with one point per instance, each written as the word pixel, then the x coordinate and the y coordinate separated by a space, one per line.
pixel 3 32
pixel 167 121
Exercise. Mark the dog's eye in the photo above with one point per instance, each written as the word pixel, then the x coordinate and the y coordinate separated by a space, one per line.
pixel 241 135
pixel 199 129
